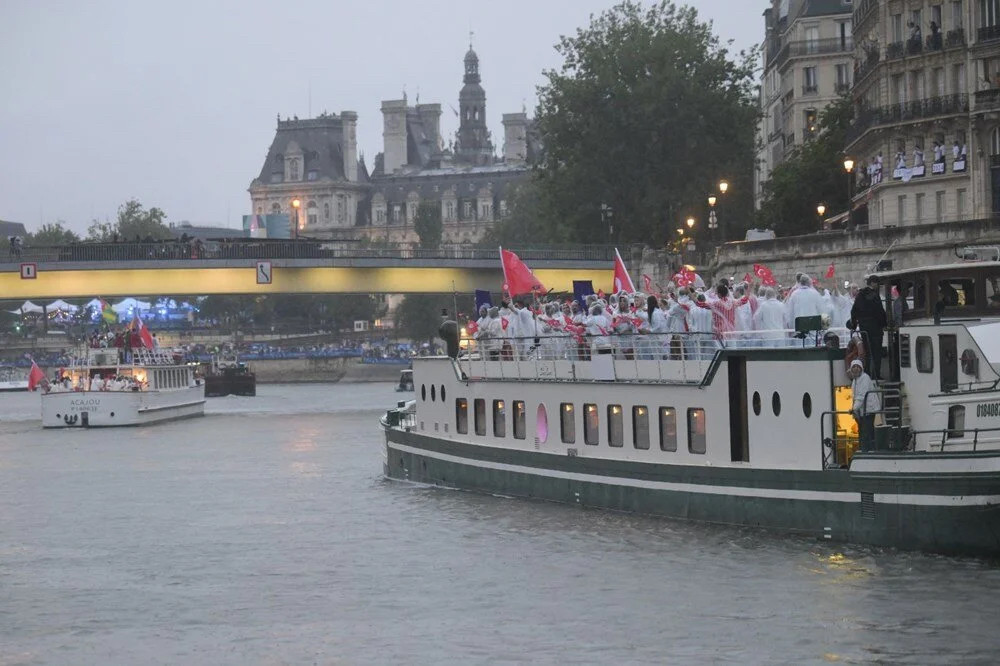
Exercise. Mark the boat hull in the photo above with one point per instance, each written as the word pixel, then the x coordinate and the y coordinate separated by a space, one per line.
pixel 957 513
pixel 217 386
pixel 120 408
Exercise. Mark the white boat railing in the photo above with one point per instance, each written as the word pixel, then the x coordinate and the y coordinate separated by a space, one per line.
pixel 674 358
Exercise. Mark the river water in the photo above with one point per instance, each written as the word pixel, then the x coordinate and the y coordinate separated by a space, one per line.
pixel 264 533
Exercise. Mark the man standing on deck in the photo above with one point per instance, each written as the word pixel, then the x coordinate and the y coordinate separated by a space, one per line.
pixel 869 315
pixel 866 403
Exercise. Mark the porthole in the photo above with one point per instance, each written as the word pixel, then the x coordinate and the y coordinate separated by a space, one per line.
pixel 423 393
pixel 756 403
pixel 776 403
pixel 807 405
pixel 433 392
pixel 442 393
pixel 112 415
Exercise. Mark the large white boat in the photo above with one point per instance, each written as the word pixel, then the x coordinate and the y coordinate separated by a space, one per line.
pixel 13 378
pixel 109 387
pixel 758 432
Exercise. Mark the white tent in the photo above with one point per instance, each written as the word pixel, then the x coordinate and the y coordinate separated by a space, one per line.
pixel 130 303
pixel 62 305
pixel 93 303
pixel 27 306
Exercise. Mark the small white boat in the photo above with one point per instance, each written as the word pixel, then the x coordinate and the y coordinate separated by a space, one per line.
pixel 13 379
pixel 105 389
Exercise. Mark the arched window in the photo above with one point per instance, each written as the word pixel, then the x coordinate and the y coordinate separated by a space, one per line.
pixel 326 212
pixel 995 141
pixel 293 169
pixel 275 208
pixel 312 213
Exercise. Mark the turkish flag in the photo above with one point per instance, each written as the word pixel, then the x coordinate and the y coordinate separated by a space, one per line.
pixel 623 283
pixel 517 277
pixel 504 323
pixel 144 334
pixel 35 375
pixel 830 272
pixel 647 283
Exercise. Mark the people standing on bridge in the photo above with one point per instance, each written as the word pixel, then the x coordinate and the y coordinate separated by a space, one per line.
pixel 869 314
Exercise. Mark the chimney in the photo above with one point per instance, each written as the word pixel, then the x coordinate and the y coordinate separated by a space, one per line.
pixel 430 114
pixel 515 137
pixel 394 135
pixel 349 121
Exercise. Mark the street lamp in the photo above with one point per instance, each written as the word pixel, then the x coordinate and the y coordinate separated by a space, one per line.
pixel 821 209
pixel 723 186
pixel 849 168
pixel 690 223
pixel 295 206
pixel 607 217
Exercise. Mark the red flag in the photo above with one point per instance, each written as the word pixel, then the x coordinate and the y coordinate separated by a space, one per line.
pixel 518 278
pixel 35 375
pixel 504 323
pixel 622 280
pixel 472 328
pixel 830 272
pixel 144 334
pixel 747 278
pixel 765 275
pixel 647 283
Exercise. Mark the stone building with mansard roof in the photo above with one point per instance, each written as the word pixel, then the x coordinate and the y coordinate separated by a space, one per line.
pixel 316 162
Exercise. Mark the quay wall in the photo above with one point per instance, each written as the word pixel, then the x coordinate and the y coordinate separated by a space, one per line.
pixel 854 253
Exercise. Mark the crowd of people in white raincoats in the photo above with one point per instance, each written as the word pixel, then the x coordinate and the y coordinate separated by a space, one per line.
pixel 683 322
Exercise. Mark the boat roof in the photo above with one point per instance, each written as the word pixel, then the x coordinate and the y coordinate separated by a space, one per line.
pixel 938 268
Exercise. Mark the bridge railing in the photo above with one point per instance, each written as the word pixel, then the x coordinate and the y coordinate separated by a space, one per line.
pixel 291 249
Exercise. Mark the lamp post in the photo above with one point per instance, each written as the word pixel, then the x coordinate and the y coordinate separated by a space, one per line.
pixel 849 168
pixel 723 188
pixel 713 220
pixel 295 223
pixel 607 217
pixel 821 209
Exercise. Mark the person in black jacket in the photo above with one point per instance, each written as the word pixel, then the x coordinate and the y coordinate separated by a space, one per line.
pixel 870 317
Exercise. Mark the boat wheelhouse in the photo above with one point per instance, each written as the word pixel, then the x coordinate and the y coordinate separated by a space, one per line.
pixel 751 430
pixel 113 387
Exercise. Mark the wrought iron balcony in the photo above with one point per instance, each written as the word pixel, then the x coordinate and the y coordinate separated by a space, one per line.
pixel 866 66
pixel 988 99
pixel 810 89
pixel 954 38
pixel 935 41
pixel 865 119
pixel 813 47
pixel 989 33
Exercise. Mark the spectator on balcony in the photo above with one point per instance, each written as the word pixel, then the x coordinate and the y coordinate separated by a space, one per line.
pixel 914 32
pixel 984 83
pixel 938 152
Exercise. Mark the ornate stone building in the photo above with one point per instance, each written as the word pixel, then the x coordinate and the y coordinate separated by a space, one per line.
pixel 807 65
pixel 315 161
pixel 926 134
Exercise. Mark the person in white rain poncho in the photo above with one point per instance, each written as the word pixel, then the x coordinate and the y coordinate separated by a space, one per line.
pixel 769 320
pixel 700 324
pixel 598 328
pixel 805 301
pixel 492 334
pixel 552 329
pixel 842 304
pixel 525 327
pixel 678 314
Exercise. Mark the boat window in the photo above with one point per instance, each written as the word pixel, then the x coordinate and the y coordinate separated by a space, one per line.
pixel 904 350
pixel 433 392
pixel 696 430
pixel 756 403
pixel 591 425
pixel 541 425
pixel 567 423
pixel 668 429
pixel 499 418
pixel 519 420
pixel 925 354
pixel 480 416
pixel 807 405
pixel 442 393
pixel 423 393
pixel 776 403
pixel 992 292
pixel 640 427
pixel 616 427
pixel 461 416
pixel 957 292
pixel 956 422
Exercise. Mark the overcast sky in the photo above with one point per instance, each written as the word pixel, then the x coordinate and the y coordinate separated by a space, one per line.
pixel 174 103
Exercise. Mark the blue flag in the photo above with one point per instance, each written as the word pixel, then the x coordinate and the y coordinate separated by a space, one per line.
pixel 483 298
pixel 582 289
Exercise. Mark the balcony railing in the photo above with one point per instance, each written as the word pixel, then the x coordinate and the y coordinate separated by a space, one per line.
pixel 935 42
pixel 988 99
pixel 810 89
pixel 862 10
pixel 912 46
pixel 906 111
pixel 843 87
pixel 954 38
pixel 990 33
pixel 862 68
pixel 814 47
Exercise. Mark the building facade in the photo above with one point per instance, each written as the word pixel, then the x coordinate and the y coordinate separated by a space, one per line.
pixel 926 132
pixel 808 49
pixel 315 162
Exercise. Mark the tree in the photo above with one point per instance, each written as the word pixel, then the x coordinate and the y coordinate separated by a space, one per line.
pixel 812 175
pixel 523 222
pixel 647 113
pixel 419 315
pixel 134 223
pixel 428 224
pixel 50 234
